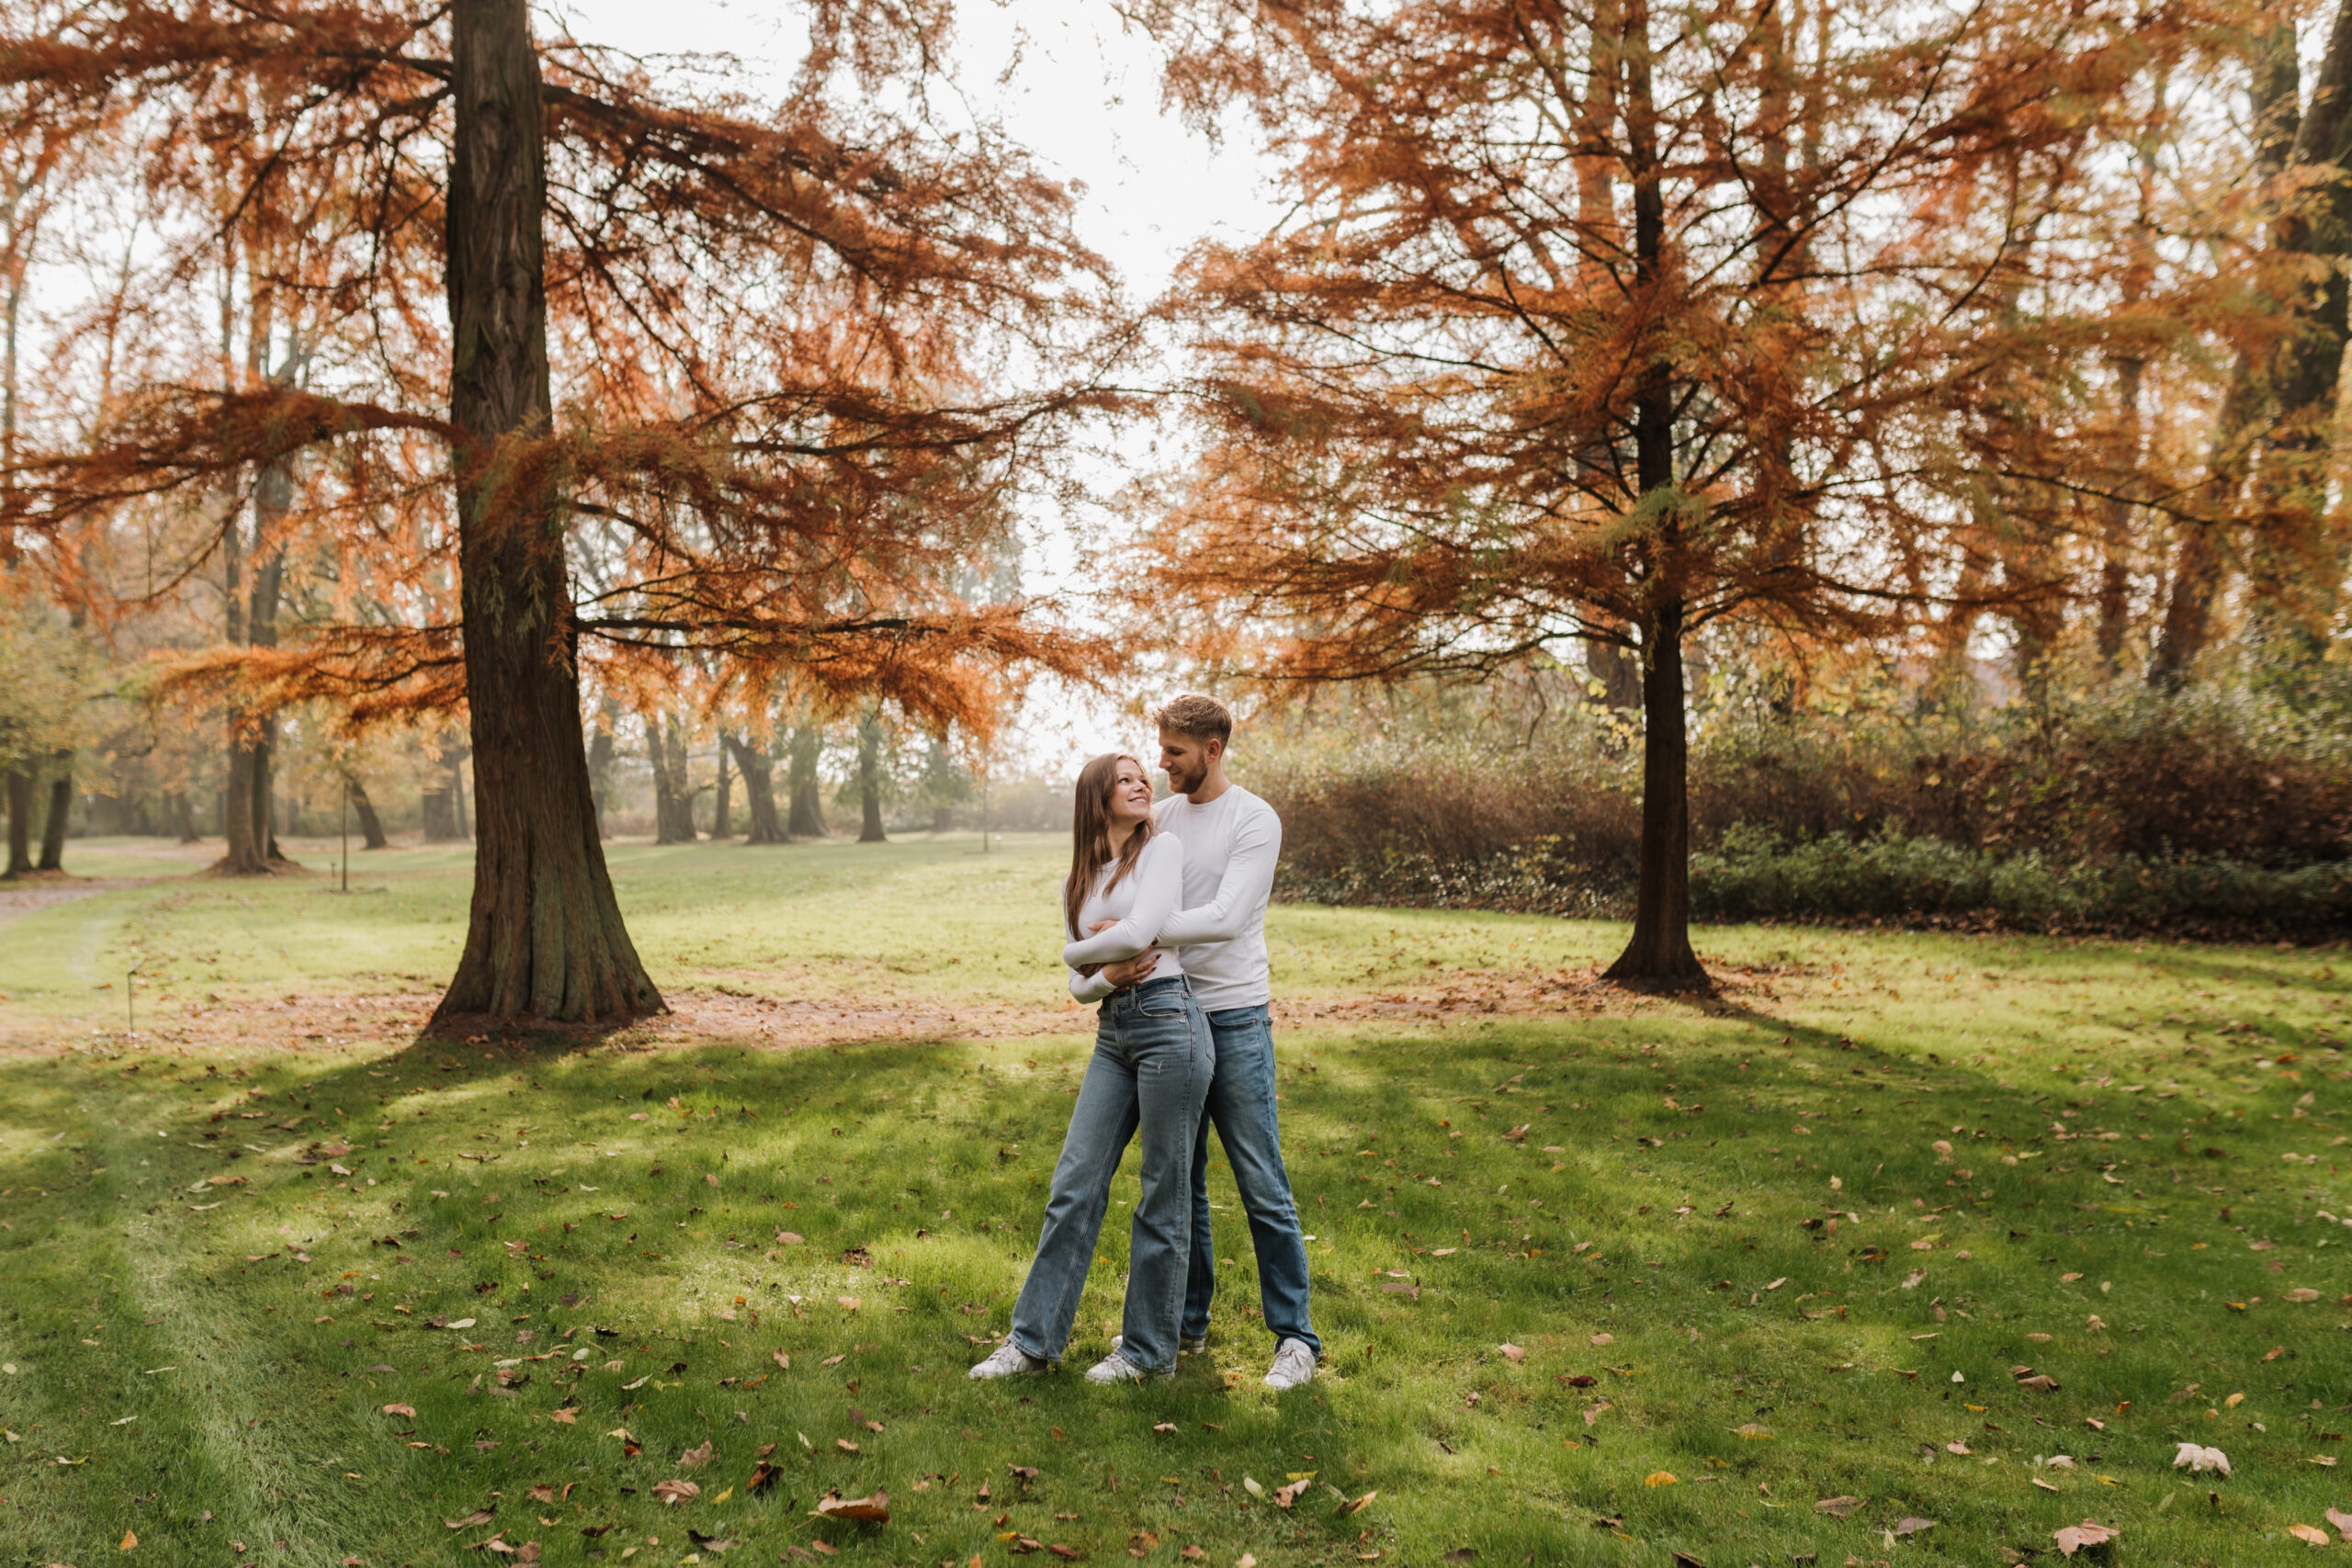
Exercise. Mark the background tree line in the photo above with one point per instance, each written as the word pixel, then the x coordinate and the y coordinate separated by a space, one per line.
pixel 1971 366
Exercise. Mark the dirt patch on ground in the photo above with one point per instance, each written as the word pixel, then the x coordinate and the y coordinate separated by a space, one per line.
pixel 383 1021
pixel 22 896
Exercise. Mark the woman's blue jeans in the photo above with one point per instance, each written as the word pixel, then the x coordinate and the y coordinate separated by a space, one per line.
pixel 1153 1059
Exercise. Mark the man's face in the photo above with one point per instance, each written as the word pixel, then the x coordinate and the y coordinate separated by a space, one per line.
pixel 1186 760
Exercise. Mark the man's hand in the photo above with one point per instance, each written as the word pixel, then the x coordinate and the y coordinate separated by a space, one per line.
pixel 1129 972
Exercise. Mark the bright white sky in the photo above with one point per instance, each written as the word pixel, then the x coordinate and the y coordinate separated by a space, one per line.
pixel 1083 96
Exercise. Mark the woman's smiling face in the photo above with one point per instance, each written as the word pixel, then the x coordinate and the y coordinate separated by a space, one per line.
pixel 1130 801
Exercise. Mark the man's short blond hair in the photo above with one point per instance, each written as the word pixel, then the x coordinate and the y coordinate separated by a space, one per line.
pixel 1197 717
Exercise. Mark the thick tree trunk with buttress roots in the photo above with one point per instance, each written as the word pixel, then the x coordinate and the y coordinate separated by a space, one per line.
pixel 545 938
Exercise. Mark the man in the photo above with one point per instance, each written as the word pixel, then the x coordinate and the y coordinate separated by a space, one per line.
pixel 1231 841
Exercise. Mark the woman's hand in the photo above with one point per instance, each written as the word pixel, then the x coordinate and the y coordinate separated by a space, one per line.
pixel 1133 971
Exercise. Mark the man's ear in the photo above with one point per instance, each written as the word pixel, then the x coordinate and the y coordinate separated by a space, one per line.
pixel 1212 749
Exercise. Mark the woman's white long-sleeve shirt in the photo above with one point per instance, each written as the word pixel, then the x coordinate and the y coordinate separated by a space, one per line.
pixel 1138 906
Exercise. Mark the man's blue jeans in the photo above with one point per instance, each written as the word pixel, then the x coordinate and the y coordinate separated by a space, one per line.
pixel 1153 1058
pixel 1241 1104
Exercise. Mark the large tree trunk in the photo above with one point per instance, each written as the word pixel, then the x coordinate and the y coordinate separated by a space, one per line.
pixel 371 827
pixel 20 822
pixel 544 938
pixel 1659 952
pixel 869 781
pixel 807 820
pixel 759 789
pixel 61 811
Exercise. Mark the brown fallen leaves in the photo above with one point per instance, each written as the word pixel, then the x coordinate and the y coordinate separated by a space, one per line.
pixel 2311 1533
pixel 2342 1521
pixel 1513 1351
pixel 674 1493
pixel 1285 1495
pixel 1837 1507
pixel 694 1458
pixel 408 1410
pixel 479 1517
pixel 874 1510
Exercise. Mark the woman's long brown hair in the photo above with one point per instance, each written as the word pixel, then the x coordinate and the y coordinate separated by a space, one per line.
pixel 1091 836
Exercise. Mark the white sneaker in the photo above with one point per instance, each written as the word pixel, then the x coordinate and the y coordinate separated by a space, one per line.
pixel 1112 1369
pixel 1009 1360
pixel 1293 1365
pixel 1186 1345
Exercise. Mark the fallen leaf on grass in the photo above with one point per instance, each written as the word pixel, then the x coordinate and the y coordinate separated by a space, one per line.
pixel 565 1417
pixel 2342 1521
pixel 2041 1484
pixel 400 1410
pixel 1595 1411
pixel 1285 1495
pixel 1072 1554
pixel 1659 1478
pixel 783 1361
pixel 1837 1507
pixel 2311 1533
pixel 672 1492
pixel 1142 1543
pixel 479 1517
pixel 1604 1339
pixel 874 1510
pixel 1357 1507
pixel 2074 1538
pixel 2197 1461
pixel 1756 1431
pixel 1912 1527
pixel 1513 1351
pixel 694 1459
pixel 131 1541
pixel 762 1474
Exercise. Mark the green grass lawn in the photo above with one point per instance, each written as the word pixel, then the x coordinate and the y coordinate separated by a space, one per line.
pixel 1602 1279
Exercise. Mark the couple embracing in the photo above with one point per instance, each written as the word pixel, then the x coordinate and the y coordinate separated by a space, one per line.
pixel 1166 910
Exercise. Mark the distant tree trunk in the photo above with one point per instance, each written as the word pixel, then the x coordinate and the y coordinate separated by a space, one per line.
pixel 440 822
pixel 1659 952
pixel 674 814
pixel 1619 672
pixel 61 811
pixel 807 820
pixel 759 789
pixel 371 827
pixel 544 937
pixel 20 822
pixel 458 794
pixel 2115 546
pixel 869 781
pixel 178 818
pixel 2275 105
pixel 718 828
pixel 2292 568
pixel 600 763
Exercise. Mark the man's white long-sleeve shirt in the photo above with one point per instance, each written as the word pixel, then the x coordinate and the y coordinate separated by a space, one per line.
pixel 1231 846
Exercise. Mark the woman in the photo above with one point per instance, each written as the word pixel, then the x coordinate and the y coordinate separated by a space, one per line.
pixel 1151 1069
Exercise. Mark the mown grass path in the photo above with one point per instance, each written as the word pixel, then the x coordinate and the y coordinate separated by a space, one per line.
pixel 1598 1284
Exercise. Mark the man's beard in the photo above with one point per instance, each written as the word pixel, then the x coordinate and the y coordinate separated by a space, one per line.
pixel 1185 784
